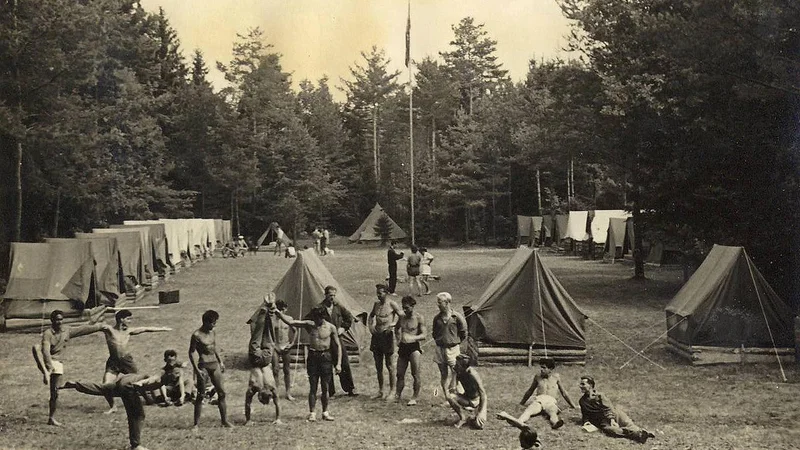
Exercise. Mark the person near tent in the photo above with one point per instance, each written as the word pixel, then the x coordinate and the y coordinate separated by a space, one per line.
pixel 323 242
pixel 409 331
pixel 290 252
pixel 317 236
pixel 324 357
pixel 284 336
pixel 546 386
pixel 54 342
pixel 381 322
pixel 471 403
pixel 176 387
pixel 208 365
pixel 260 351
pixel 425 269
pixel 120 359
pixel 413 262
pixel 449 331
pixel 129 387
pixel 598 411
pixel 279 236
pixel 392 256
pixel 342 319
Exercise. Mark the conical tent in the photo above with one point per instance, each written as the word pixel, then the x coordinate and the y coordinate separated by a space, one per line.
pixel 273 233
pixel 525 304
pixel 728 303
pixel 368 230
pixel 303 287
pixel 620 236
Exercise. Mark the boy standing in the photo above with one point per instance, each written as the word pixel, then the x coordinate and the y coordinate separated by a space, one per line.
pixel 410 331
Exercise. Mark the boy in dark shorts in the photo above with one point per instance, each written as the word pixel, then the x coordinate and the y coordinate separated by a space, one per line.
pixel 321 362
pixel 410 331
pixel 176 386
pixel 381 322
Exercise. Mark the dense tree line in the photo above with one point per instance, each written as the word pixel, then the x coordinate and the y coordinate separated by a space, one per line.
pixel 684 114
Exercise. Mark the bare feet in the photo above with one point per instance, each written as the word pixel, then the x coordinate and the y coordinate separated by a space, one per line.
pixel 378 396
pixel 277 422
pixel 52 421
pixel 289 397
pixel 227 424
pixel 460 423
pixel 111 410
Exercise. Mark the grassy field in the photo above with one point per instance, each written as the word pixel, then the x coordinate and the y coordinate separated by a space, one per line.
pixel 719 407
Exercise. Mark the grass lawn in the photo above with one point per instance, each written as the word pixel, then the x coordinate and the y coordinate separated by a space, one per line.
pixel 718 407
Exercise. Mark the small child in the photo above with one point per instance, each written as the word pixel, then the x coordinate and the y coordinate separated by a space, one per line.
pixel 176 387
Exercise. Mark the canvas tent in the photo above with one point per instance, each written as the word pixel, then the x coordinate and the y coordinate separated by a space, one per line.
pixel 660 254
pixel 273 233
pixel 525 312
pixel 599 226
pixel 620 237
pixel 727 312
pixel 158 240
pixel 561 223
pixel 303 287
pixel 529 230
pixel 110 284
pixel 368 231
pixel 576 226
pixel 49 276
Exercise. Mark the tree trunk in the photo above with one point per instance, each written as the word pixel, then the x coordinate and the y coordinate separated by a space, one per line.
pixel 57 214
pixel 18 212
pixel 375 143
pixel 638 251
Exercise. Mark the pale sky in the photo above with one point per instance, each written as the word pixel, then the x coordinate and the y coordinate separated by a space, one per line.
pixel 326 37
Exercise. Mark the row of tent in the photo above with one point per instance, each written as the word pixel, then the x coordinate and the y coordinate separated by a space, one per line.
pixel 104 267
pixel 610 229
pixel 726 312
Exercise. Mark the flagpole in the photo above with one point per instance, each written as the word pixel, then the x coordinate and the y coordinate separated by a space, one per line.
pixel 410 118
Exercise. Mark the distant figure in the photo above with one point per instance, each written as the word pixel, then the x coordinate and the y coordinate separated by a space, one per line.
pixel 598 411
pixel 291 252
pixel 412 270
pixel 323 242
pixel 425 269
pixel 317 236
pixel 391 258
pixel 472 399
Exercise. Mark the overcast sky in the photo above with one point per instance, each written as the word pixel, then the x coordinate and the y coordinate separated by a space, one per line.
pixel 326 37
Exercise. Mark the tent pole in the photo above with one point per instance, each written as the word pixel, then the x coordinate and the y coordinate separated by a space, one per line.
pixel 530 355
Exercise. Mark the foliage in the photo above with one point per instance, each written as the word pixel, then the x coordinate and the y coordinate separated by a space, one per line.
pixel 384 228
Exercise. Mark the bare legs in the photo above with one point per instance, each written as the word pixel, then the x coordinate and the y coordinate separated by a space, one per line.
pixel 215 376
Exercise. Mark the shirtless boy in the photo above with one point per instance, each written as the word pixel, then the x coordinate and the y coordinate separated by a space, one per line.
pixel 260 351
pixel 546 386
pixel 54 342
pixel 381 322
pixel 410 331
pixel 322 336
pixel 204 343
pixel 473 397
pixel 284 336
pixel 120 360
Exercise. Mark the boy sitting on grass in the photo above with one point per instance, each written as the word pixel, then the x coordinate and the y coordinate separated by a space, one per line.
pixel 176 387
pixel 546 385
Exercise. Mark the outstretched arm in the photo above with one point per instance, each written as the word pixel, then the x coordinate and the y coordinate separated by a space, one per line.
pixel 140 330
pixel 530 391
pixel 83 330
pixel 288 320
pixel 564 394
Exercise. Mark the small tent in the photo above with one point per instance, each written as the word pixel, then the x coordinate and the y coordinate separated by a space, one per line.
pixel 49 276
pixel 525 312
pixel 303 287
pixel 660 254
pixel 727 312
pixel 273 233
pixel 524 230
pixel 620 237
pixel 600 221
pixel 576 226
pixel 370 228
pixel 108 273
pixel 561 223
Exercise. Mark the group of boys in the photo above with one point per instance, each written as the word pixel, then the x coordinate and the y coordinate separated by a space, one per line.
pixel 392 328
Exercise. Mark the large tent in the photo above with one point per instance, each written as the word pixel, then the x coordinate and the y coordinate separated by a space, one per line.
pixel 130 251
pixel 600 221
pixel 49 276
pixel 561 225
pixel 369 229
pixel 158 240
pixel 303 287
pixel 525 307
pixel 727 312
pixel 576 226
pixel 273 233
pixel 108 272
pixel 529 230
